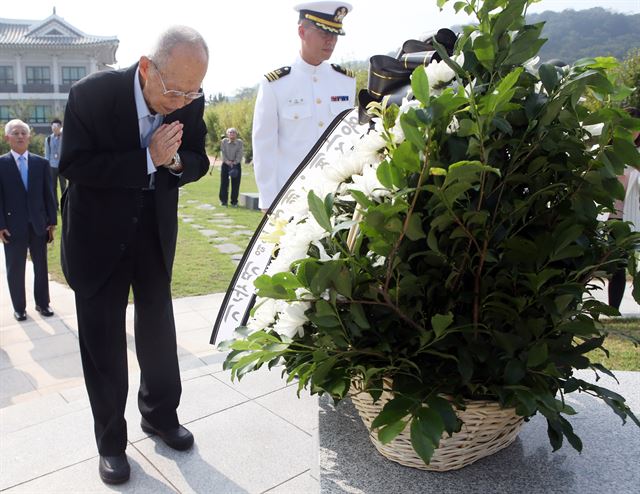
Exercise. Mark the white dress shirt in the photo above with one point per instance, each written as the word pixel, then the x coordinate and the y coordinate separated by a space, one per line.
pixel 291 113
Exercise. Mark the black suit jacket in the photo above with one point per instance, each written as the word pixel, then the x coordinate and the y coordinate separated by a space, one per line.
pixel 107 170
pixel 19 207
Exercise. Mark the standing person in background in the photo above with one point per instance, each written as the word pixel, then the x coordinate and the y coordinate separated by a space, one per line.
pixel 27 218
pixel 627 210
pixel 232 150
pixel 132 138
pixel 296 103
pixel 52 147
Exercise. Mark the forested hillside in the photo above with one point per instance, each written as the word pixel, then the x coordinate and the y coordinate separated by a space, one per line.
pixel 587 33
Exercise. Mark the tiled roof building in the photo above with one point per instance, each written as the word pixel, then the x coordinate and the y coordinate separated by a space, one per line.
pixel 40 60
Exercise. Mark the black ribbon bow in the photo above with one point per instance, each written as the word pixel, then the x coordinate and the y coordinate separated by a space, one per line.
pixel 389 76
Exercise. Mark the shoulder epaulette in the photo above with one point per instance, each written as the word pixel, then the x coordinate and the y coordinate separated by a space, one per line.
pixel 342 70
pixel 274 75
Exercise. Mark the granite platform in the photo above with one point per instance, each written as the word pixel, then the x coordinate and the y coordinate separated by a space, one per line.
pixel 609 462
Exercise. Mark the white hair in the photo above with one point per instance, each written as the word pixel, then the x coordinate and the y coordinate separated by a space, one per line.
pixel 16 122
pixel 176 36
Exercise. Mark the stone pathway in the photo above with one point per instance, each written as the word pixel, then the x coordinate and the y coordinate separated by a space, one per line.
pixel 227 237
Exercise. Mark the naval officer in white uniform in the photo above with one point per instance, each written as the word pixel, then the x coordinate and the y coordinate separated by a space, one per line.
pixel 296 103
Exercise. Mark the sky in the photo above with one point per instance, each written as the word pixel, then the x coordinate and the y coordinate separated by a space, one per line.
pixel 248 38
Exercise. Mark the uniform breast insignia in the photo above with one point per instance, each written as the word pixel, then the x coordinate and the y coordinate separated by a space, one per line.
pixel 274 75
pixel 342 70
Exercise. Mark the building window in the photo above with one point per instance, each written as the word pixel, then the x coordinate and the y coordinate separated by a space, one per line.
pixel 40 114
pixel 6 74
pixel 72 74
pixel 38 75
pixel 5 113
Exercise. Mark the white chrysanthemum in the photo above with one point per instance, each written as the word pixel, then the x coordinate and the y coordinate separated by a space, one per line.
pixel 595 129
pixel 439 73
pixel 264 314
pixel 370 146
pixel 368 183
pixel 468 89
pixel 291 319
pixel 343 166
pixel 453 126
pixel 294 243
pixel 407 104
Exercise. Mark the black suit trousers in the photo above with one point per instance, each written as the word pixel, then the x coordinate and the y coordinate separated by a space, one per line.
pixel 16 259
pixel 224 184
pixel 103 338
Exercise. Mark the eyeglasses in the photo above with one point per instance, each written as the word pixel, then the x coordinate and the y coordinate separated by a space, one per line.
pixel 174 93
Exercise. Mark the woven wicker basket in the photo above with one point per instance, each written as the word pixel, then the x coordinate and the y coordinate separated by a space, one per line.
pixel 486 429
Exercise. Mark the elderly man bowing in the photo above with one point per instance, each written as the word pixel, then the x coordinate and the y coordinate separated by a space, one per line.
pixel 132 137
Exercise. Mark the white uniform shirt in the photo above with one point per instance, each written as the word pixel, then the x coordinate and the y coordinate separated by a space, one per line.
pixel 291 113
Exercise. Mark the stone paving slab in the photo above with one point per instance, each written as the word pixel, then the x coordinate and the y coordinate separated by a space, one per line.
pixel 15 383
pixel 301 412
pixel 81 478
pixel 302 484
pixel 229 248
pixel 46 447
pixel 240 454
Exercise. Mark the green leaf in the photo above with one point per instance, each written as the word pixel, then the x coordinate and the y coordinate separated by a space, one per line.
pixel 394 410
pixel 426 430
pixel 538 355
pixel 485 50
pixel 468 127
pixel 361 198
pixel 514 371
pixel 409 124
pixel 317 208
pixel 626 150
pixel 420 442
pixel 342 282
pixel 359 317
pixel 323 369
pixel 567 430
pixel 431 423
pixel 390 175
pixel 391 431
pixel 267 286
pixel 414 228
pixel 503 125
pixel 420 85
pixel 440 323
pixel 448 415
pixel 323 279
pixel 406 157
pixel 549 76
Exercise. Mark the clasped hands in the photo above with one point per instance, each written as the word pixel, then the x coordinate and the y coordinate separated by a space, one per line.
pixel 165 142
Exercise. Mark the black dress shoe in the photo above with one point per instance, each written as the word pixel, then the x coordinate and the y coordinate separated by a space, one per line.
pixel 178 438
pixel 20 315
pixel 45 311
pixel 114 469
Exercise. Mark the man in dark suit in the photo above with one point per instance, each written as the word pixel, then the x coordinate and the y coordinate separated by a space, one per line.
pixel 132 138
pixel 27 218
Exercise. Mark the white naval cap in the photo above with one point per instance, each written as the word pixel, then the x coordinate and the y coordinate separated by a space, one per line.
pixel 325 15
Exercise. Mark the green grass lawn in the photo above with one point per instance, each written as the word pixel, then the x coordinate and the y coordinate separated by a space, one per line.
pixel 201 269
pixel 623 354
